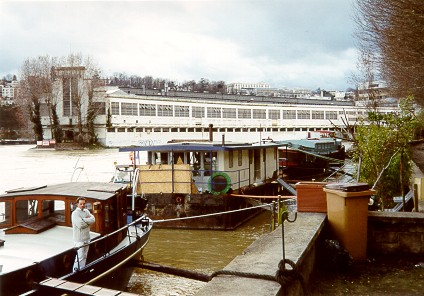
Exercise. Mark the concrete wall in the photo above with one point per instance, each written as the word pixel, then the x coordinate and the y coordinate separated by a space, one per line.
pixel 400 233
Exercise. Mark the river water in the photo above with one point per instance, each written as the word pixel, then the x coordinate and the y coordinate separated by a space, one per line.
pixel 195 250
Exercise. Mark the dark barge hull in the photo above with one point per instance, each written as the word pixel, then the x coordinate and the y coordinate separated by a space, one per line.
pixel 211 209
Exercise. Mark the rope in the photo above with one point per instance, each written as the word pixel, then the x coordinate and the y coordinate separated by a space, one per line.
pixel 212 214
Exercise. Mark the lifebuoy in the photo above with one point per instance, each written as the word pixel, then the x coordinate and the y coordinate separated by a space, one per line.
pixel 178 199
pixel 219 183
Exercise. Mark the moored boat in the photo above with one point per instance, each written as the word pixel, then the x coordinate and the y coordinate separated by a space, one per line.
pixel 37 242
pixel 187 179
pixel 311 157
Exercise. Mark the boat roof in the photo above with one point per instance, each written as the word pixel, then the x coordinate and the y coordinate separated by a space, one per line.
pixel 204 146
pixel 21 250
pixel 93 190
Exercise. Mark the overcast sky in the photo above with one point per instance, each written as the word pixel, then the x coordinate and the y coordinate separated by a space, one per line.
pixel 287 43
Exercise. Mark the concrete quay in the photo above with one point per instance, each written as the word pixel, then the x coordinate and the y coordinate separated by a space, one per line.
pixel 263 256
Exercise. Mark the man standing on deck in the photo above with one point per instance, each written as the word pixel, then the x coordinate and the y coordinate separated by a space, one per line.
pixel 81 221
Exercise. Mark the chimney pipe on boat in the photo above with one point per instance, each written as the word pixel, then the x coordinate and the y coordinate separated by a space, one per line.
pixel 211 132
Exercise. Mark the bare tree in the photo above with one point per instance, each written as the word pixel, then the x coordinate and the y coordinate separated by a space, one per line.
pixel 390 35
pixel 36 89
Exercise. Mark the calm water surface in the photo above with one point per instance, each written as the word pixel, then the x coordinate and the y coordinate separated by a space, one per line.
pixel 196 250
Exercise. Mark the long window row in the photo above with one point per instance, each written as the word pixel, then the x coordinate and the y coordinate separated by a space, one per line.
pixel 206 130
pixel 136 109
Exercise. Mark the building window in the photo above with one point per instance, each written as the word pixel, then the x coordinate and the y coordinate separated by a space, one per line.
pixel 214 112
pixel 317 114
pixel 165 110
pixel 198 112
pixel 274 114
pixel 303 114
pixel 129 109
pixel 114 106
pixel 330 114
pixel 289 114
pixel 147 109
pixel 229 112
pixel 182 111
pixel 259 114
pixel 245 113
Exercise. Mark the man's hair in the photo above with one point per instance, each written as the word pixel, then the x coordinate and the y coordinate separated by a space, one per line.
pixel 81 198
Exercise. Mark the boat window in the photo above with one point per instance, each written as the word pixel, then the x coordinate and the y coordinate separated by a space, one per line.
pixel 88 206
pixel 240 158
pixel 4 213
pixel 26 209
pixel 230 159
pixel 55 209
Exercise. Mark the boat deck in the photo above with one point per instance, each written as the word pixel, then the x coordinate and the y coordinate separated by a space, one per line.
pixel 21 250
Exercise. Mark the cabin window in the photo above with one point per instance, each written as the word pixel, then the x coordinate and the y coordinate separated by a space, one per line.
pixel 130 129
pixel 157 129
pixel 230 159
pixel 121 129
pixel 139 129
pixel 165 130
pixel 182 129
pixel 229 129
pixel 55 209
pixel 110 129
pixel 26 209
pixel 4 213
pixel 240 158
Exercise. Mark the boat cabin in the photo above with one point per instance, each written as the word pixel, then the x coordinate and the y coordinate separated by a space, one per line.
pixel 205 167
pixel 36 209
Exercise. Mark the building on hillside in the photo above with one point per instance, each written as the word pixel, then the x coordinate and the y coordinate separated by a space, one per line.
pixel 246 88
